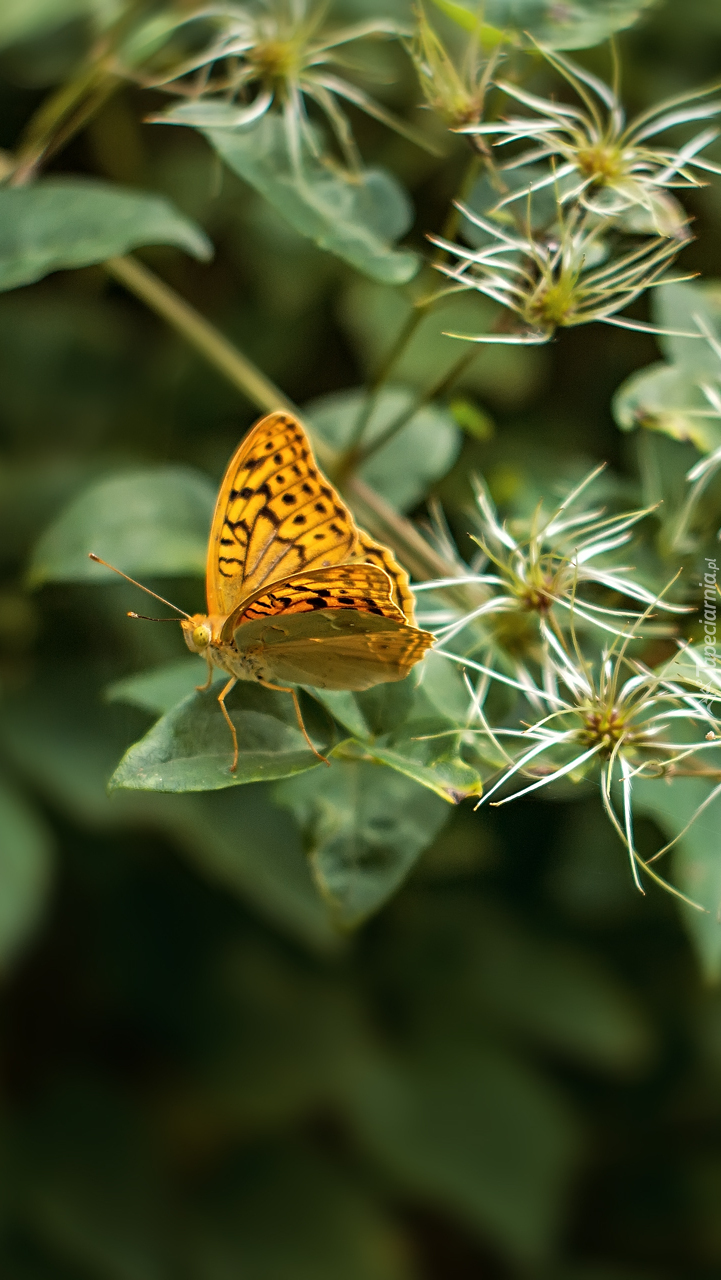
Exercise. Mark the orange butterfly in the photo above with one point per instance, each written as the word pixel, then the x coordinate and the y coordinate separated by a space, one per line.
pixel 296 593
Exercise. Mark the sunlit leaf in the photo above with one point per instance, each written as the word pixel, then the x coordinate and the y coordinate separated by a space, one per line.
pixel 402 470
pixel 23 19
pixel 441 768
pixel 190 748
pixel 409 726
pixel 693 307
pixel 364 828
pixel 144 522
pixel 666 398
pixel 358 218
pixel 576 25
pixel 696 863
pixel 73 222
pixel 25 870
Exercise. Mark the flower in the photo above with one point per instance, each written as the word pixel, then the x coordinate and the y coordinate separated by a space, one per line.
pixel 618 720
pixel 275 55
pixel 600 161
pixel 456 94
pixel 538 583
pixel 566 277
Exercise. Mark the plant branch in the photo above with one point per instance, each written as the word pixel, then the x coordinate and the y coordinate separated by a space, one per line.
pixel 439 388
pixel 61 116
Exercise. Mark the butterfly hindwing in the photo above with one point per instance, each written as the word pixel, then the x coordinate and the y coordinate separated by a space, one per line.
pixel 375 553
pixel 363 587
pixel 276 515
pixel 333 648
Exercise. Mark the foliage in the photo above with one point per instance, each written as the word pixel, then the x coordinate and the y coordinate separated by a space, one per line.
pixel 407 1014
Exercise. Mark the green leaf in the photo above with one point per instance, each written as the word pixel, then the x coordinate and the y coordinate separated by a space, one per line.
pixel 23 19
pixel 476 1133
pixel 287 1213
pixel 162 688
pixel 437 766
pixel 559 996
pixel 72 222
pixel 62 739
pixel 689 666
pixel 486 35
pixel 357 217
pixel 419 454
pixel 668 399
pixel 696 862
pixel 190 748
pixel 144 522
pixel 276 1039
pixel 375 316
pixel 242 841
pixel 92 1189
pixel 408 726
pixel 471 419
pixel 25 871
pixel 497 970
pixel 690 306
pixel 576 25
pixel 364 828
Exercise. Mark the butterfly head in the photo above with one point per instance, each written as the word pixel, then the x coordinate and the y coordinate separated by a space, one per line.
pixel 200 631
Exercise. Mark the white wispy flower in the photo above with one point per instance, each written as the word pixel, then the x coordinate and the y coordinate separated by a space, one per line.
pixel 542 580
pixel 596 158
pixel 275 55
pixel 563 278
pixel 616 721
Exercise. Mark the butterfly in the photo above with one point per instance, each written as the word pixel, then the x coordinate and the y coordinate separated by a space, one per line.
pixel 297 594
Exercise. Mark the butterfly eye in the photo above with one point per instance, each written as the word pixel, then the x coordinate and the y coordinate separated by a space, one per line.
pixel 201 637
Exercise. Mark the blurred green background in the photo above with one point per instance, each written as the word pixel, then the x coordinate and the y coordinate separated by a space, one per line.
pixel 515 1069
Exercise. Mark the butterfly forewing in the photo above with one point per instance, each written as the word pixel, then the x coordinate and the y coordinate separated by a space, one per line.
pixel 276 515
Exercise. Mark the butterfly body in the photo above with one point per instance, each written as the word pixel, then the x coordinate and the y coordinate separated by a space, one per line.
pixel 297 594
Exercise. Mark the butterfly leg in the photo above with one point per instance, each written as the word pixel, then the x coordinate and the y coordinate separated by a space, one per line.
pixel 278 688
pixel 202 687
pixel 229 722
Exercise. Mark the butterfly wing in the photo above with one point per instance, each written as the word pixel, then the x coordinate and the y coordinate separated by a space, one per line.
pixel 363 587
pixel 333 648
pixel 375 553
pixel 336 628
pixel 276 515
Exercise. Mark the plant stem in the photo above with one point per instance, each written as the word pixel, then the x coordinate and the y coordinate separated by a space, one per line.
pixel 61 116
pixel 373 511
pixel 420 310
pixel 438 388
pixel 200 333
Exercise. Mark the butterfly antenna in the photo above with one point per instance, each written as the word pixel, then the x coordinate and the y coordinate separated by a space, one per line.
pixel 99 560
pixel 144 617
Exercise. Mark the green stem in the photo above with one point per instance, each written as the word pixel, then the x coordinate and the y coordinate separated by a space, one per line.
pixel 61 116
pixel 420 310
pixel 438 389
pixel 200 333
